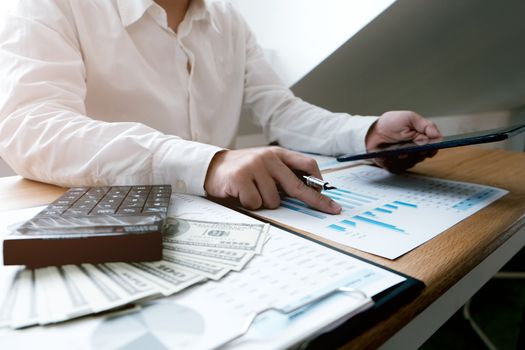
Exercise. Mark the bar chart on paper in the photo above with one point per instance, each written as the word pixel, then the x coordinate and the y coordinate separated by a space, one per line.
pixel 385 214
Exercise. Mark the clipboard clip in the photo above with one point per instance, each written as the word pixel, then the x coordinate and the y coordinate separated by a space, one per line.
pixel 290 310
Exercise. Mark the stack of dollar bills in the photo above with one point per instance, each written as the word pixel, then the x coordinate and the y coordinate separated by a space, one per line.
pixel 194 251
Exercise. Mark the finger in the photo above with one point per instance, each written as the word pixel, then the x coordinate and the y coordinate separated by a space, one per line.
pixel 249 195
pixel 432 131
pixel 295 160
pixel 297 189
pixel 311 197
pixel 424 126
pixel 418 122
pixel 421 139
pixel 268 191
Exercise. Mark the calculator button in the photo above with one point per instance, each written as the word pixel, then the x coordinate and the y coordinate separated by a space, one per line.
pixel 155 210
pixel 129 211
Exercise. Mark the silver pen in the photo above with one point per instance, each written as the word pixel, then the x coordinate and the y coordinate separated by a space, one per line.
pixel 315 182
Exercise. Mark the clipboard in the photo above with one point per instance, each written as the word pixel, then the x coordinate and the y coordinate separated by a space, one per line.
pixel 473 138
pixel 384 303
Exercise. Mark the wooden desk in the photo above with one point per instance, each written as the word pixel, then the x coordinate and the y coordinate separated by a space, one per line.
pixel 454 265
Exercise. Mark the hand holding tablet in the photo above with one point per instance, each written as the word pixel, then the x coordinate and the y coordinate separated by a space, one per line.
pixel 485 136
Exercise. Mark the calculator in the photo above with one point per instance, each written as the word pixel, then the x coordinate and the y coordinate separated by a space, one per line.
pixel 93 225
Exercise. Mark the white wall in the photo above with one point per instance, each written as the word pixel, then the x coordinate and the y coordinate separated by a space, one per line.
pixel 299 34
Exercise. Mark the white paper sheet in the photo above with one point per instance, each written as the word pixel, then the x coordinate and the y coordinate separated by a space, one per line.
pixel 290 269
pixel 385 214
pixel 289 272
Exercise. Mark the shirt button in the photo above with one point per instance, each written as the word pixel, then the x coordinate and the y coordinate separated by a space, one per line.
pixel 180 185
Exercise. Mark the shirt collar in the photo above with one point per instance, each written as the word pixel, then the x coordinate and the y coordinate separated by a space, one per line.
pixel 199 10
pixel 132 10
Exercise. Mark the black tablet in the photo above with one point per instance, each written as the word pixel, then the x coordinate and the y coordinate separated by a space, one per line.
pixel 472 138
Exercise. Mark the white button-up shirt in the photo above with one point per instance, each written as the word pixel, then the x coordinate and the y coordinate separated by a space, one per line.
pixel 104 92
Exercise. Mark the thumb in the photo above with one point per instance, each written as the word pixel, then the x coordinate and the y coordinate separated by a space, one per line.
pixel 424 126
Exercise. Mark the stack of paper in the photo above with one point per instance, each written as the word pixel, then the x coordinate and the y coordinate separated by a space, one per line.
pixel 204 250
pixel 293 273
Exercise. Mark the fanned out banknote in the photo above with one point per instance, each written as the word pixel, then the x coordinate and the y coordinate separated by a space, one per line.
pixel 194 251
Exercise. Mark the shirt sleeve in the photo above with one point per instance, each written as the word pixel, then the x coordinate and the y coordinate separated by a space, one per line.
pixel 290 121
pixel 45 133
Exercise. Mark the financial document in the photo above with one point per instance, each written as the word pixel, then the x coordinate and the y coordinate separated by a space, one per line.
pixel 193 251
pixel 385 214
pixel 293 274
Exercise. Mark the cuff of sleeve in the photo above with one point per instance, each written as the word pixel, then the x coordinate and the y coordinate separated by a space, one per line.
pixel 351 137
pixel 184 165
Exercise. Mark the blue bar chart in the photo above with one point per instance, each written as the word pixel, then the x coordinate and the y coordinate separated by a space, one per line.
pixel 385 214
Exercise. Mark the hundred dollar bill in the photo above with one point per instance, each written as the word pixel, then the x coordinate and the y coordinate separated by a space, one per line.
pixel 132 283
pixel 17 307
pixel 43 311
pixel 230 258
pixel 123 293
pixel 127 285
pixel 67 292
pixel 50 312
pixel 8 279
pixel 203 268
pixel 63 298
pixel 242 237
pixel 72 294
pixel 24 313
pixel 100 293
pixel 169 279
